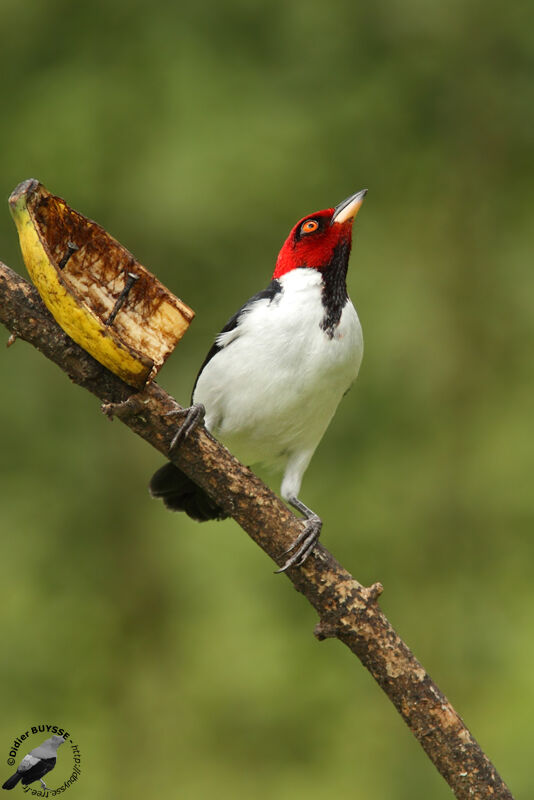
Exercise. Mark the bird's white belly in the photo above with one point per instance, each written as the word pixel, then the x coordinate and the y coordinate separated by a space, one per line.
pixel 274 387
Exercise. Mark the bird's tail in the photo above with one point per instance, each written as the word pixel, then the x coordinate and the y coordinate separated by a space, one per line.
pixel 180 493
pixel 11 782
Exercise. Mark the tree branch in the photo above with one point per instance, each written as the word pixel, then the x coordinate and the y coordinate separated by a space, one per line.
pixel 347 610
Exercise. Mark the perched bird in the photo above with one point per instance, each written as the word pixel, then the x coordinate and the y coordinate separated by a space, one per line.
pixel 36 764
pixel 272 381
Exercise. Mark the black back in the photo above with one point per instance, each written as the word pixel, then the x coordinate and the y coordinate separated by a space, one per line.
pixel 43 766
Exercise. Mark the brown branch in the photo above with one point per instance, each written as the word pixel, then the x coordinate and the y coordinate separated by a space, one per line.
pixel 347 610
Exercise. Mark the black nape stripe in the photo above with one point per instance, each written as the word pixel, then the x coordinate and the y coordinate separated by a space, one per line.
pixel 334 294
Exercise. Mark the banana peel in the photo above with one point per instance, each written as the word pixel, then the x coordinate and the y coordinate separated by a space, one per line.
pixel 96 290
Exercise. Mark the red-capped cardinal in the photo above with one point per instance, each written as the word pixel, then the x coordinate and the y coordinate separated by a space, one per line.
pixel 272 381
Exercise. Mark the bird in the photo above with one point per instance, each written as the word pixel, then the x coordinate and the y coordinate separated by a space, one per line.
pixel 271 383
pixel 36 764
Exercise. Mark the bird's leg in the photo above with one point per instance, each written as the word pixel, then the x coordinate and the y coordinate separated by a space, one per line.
pixel 43 784
pixel 193 416
pixel 305 541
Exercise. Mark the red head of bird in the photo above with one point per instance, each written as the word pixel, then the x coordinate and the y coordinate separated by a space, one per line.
pixel 316 239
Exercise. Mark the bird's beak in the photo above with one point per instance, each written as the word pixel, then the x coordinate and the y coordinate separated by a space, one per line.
pixel 347 210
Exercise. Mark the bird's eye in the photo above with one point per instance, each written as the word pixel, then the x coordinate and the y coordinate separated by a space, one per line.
pixel 309 226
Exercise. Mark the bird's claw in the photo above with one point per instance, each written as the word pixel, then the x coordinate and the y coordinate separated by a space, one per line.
pixel 303 544
pixel 194 415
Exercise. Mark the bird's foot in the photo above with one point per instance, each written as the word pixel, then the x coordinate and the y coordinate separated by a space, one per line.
pixel 43 784
pixel 130 407
pixel 305 541
pixel 193 417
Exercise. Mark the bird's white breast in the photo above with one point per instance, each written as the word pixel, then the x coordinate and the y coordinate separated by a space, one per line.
pixel 275 385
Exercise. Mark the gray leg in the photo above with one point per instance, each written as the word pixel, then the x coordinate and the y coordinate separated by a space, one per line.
pixel 305 541
pixel 193 416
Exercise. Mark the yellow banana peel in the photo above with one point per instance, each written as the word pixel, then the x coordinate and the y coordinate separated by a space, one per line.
pixel 95 289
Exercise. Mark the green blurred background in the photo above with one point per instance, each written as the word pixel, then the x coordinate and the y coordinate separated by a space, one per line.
pixel 198 134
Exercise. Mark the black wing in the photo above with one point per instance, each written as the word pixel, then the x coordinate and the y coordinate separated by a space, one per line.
pixel 43 766
pixel 272 290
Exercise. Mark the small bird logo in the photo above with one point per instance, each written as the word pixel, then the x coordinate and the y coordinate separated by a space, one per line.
pixel 36 764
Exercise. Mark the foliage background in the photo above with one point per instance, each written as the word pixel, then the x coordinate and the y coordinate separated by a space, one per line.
pixel 198 134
